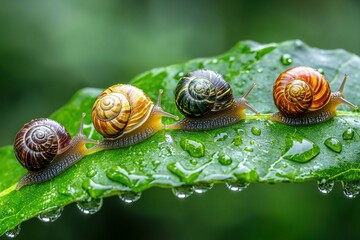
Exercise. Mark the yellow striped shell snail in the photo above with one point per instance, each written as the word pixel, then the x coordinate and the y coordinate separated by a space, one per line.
pixel 125 115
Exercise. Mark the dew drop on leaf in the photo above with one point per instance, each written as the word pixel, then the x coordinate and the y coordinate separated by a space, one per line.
pixel 320 70
pixel 185 175
pixel 325 186
pixel 194 148
pixel 215 61
pixel 50 216
pixel 183 191
pixel 222 158
pixel 220 137
pixel 237 141
pixel 118 174
pixel 256 131
pixel 351 189
pixel 129 197
pixel 348 134
pixel 91 206
pixel 237 186
pixel 286 59
pixel 300 149
pixel 202 187
pixel 333 144
pixel 249 149
pixel 91 172
pixel 14 232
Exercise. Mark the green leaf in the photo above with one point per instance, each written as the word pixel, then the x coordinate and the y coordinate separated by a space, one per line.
pixel 251 151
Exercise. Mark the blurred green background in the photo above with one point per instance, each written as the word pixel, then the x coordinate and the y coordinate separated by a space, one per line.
pixel 50 49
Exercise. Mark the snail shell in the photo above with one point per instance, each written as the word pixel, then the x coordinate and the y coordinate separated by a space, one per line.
pixel 125 115
pixel 207 102
pixel 202 91
pixel 38 142
pixel 45 149
pixel 299 90
pixel 303 97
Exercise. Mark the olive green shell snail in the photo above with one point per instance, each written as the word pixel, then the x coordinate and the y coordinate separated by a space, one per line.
pixel 45 149
pixel 206 100
pixel 303 97
pixel 124 115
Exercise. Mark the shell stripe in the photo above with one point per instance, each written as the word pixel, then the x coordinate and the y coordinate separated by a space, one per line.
pixel 127 107
pixel 38 142
pixel 309 98
pixel 202 91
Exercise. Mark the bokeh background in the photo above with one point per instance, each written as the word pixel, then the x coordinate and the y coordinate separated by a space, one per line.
pixel 50 49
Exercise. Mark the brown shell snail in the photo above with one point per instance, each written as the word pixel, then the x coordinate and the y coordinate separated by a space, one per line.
pixel 303 97
pixel 45 149
pixel 206 100
pixel 125 115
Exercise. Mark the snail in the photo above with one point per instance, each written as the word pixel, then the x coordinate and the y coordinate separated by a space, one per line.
pixel 303 97
pixel 206 100
pixel 45 149
pixel 124 115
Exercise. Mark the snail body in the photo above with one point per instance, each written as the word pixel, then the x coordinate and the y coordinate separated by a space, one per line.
pixel 45 149
pixel 303 97
pixel 124 115
pixel 206 101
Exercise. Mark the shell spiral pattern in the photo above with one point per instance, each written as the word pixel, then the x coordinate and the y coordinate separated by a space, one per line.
pixel 300 89
pixel 38 142
pixel 202 91
pixel 119 109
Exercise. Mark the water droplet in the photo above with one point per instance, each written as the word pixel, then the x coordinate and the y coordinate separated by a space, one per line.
pixel 183 191
pixel 193 161
pixel 50 216
pixel 95 190
pixel 91 206
pixel 300 149
pixel 325 186
pixel 320 70
pixel 286 59
pixel 202 187
pixel 249 149
pixel 256 131
pixel 118 174
pixel 237 186
pixel 185 175
pixel 91 172
pixel 194 148
pixel 13 232
pixel 179 75
pixel 222 158
pixel 130 197
pixel 215 60
pixel 237 141
pixel 334 144
pixel 220 137
pixel 298 43
pixel 351 189
pixel 348 134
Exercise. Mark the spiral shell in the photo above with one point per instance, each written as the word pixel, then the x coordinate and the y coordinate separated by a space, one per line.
pixel 119 109
pixel 38 142
pixel 202 91
pixel 300 89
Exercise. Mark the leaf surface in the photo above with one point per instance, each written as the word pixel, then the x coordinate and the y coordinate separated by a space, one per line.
pixel 255 150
